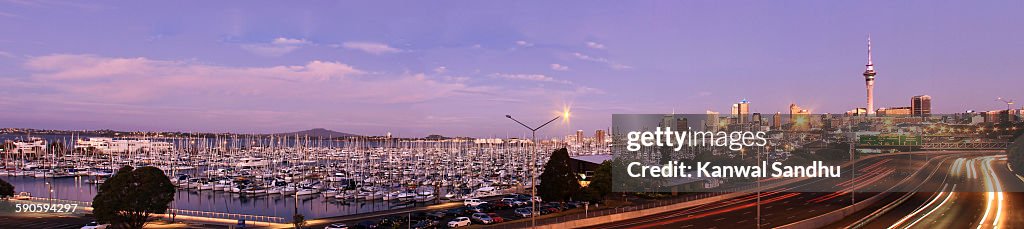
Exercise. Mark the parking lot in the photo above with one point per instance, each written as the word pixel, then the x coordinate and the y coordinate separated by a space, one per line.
pixel 500 212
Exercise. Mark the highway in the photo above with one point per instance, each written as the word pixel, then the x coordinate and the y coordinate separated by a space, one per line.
pixel 780 206
pixel 971 196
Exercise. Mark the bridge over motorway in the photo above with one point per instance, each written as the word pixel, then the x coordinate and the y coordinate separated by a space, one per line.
pixel 965 146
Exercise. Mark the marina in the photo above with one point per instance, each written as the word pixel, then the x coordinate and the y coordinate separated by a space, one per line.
pixel 269 175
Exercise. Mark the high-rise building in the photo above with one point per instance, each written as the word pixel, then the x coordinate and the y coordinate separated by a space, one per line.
pixel 796 110
pixel 921 105
pixel 599 137
pixel 799 117
pixel 579 136
pixel 777 120
pixel 682 124
pixel 756 119
pixel 741 110
pixel 869 80
pixel 711 122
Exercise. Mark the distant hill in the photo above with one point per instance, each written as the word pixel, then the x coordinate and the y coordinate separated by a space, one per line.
pixel 320 132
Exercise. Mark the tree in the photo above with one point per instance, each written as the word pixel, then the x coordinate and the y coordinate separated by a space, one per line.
pixel 557 182
pixel 602 181
pixel 131 196
pixel 1015 155
pixel 6 189
pixel 299 220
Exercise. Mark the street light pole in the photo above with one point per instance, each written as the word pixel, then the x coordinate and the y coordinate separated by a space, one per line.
pixel 533 167
pixel 1007 101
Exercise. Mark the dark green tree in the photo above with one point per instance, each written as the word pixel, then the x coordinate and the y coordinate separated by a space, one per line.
pixel 131 196
pixel 557 182
pixel 6 189
pixel 1015 155
pixel 299 220
pixel 602 181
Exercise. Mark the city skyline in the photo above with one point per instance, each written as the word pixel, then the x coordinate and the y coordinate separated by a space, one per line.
pixel 275 68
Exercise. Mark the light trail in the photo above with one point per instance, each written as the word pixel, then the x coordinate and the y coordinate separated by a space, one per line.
pixel 994 194
pixel 948 195
pixel 918 210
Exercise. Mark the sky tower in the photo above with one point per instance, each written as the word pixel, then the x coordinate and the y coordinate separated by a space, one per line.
pixel 869 80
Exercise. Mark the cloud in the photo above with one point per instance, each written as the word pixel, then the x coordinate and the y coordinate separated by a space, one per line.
pixel 595 45
pixel 289 41
pixel 277 47
pixel 6 54
pixel 524 44
pixel 530 77
pixel 370 47
pixel 559 67
pixel 143 80
pixel 10 15
pixel 611 64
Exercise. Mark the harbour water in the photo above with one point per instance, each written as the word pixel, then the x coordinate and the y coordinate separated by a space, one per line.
pixel 311 206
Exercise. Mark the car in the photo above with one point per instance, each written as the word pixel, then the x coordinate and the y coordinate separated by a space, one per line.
pixel 482 218
pixel 423 224
pixel 553 209
pixel 503 205
pixel 486 206
pixel 455 211
pixel 393 221
pixel 509 199
pixel 23 196
pixel 337 226
pixel 436 215
pixel 473 202
pixel 460 221
pixel 474 209
pixel 519 203
pixel 95 225
pixel 575 204
pixel 523 212
pixel 496 218
pixel 368 224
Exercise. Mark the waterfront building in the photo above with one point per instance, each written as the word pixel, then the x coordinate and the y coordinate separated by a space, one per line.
pixel 111 145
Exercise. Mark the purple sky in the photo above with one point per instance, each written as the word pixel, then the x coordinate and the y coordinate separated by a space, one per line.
pixel 417 68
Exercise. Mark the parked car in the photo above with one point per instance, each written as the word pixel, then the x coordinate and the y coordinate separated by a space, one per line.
pixel 424 224
pixel 95 225
pixel 393 221
pixel 523 212
pixel 473 202
pixel 459 222
pixel 368 224
pixel 337 226
pixel 474 209
pixel 496 218
pixel 482 218
pixel 519 203
pixel 486 206
pixel 460 211
pixel 436 215
pixel 503 205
